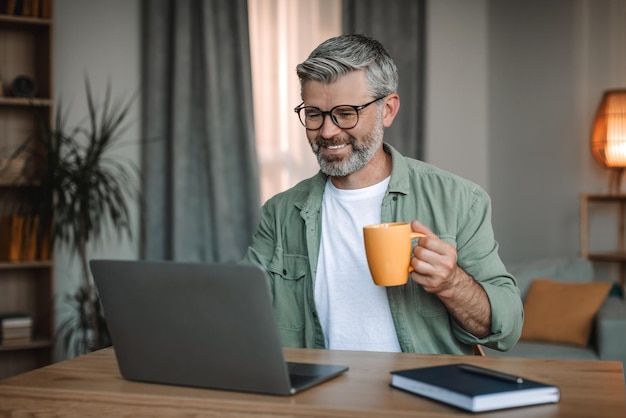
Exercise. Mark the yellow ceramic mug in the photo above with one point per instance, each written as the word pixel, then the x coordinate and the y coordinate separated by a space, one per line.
pixel 388 249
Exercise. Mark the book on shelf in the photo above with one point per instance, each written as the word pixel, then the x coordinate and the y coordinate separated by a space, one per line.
pixel 21 241
pixel 15 329
pixel 473 388
pixel 28 8
pixel 17 332
pixel 12 245
pixel 9 6
pixel 45 9
pixel 15 320
pixel 12 342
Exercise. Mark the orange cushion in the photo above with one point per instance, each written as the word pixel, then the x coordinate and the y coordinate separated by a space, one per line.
pixel 561 312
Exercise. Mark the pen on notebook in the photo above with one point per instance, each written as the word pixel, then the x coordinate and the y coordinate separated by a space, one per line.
pixel 491 373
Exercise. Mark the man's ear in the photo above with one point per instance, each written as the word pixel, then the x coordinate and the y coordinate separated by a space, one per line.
pixel 390 109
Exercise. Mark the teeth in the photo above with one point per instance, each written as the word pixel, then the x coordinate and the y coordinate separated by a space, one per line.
pixel 335 146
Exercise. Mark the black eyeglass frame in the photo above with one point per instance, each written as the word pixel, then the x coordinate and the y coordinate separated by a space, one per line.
pixel 357 109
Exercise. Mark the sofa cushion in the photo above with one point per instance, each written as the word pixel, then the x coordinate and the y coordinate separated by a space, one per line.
pixel 611 330
pixel 562 312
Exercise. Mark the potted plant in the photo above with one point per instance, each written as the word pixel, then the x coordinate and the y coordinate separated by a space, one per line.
pixel 83 191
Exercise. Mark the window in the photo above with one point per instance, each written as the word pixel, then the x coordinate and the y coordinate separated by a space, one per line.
pixel 282 34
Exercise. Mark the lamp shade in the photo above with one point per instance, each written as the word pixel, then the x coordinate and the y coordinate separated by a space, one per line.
pixel 608 137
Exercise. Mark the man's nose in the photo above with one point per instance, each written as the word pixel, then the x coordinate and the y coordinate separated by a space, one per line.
pixel 329 129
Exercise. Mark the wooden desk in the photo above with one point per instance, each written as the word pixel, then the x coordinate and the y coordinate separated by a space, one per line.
pixel 91 386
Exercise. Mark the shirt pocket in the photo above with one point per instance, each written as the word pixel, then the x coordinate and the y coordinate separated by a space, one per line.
pixel 288 272
pixel 426 304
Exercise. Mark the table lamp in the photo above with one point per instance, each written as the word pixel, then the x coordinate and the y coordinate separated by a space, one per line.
pixel 608 136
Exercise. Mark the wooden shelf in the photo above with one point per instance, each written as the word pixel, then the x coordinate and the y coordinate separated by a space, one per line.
pixel 17 265
pixel 25 286
pixel 619 254
pixel 25 101
pixel 605 197
pixel 608 256
pixel 13 21
pixel 15 183
pixel 36 344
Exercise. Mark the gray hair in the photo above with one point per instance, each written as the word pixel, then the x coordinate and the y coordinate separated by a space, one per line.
pixel 343 54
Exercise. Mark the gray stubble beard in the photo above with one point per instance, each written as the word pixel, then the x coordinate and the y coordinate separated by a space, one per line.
pixel 360 156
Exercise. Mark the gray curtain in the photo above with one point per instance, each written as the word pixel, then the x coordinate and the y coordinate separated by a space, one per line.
pixel 199 166
pixel 400 26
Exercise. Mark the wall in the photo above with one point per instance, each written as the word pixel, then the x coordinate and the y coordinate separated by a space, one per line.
pixel 99 40
pixel 534 132
pixel 549 63
pixel 456 88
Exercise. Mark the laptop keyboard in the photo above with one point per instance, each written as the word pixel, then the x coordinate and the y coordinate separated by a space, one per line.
pixel 301 373
pixel 300 380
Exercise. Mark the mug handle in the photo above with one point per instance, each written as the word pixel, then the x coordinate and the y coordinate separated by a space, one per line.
pixel 412 236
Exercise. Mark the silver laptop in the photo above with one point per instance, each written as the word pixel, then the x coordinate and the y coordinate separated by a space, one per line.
pixel 199 325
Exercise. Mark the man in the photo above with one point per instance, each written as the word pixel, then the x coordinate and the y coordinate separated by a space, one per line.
pixel 310 237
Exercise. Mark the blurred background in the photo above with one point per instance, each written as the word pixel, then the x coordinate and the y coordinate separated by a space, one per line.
pixel 510 92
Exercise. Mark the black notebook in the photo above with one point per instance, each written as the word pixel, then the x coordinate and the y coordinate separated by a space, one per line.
pixel 474 388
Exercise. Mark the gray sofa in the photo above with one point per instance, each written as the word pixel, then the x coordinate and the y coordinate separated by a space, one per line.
pixel 608 338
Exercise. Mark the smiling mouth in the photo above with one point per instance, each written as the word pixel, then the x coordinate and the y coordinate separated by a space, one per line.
pixel 336 147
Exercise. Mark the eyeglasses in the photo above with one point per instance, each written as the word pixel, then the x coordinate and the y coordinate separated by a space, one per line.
pixel 344 116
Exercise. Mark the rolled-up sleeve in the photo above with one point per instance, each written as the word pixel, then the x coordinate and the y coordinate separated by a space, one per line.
pixel 477 252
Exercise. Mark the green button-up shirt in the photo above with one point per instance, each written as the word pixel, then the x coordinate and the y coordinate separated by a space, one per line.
pixel 287 244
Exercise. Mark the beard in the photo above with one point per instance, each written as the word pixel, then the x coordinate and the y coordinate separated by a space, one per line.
pixel 362 153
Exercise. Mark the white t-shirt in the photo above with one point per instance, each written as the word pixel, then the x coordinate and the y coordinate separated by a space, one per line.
pixel 353 311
